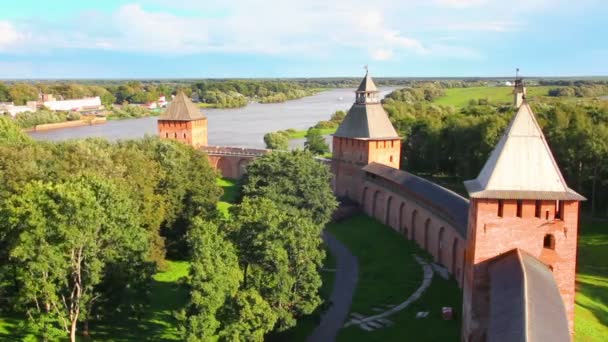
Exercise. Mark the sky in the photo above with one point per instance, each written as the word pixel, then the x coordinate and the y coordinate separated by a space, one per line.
pixel 305 38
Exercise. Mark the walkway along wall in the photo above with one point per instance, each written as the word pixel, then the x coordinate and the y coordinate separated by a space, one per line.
pixel 434 217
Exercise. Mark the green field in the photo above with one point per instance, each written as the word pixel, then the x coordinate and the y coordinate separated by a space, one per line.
pixel 460 97
pixel 591 322
pixel 300 134
pixel 388 275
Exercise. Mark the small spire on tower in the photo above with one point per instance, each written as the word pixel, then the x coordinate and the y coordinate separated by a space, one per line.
pixel 519 90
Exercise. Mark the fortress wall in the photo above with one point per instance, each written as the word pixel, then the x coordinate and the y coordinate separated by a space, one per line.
pixel 230 166
pixel 417 222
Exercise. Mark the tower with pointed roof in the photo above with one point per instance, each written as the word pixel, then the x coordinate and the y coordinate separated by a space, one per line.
pixel 519 201
pixel 365 136
pixel 519 90
pixel 183 121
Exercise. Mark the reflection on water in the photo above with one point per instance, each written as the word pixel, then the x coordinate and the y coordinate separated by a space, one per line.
pixel 239 127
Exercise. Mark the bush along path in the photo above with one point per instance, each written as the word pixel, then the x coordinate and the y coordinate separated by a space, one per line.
pixel 347 270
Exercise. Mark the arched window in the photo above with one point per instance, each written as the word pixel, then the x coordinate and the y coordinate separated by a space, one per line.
pixel 500 208
pixel 387 219
pixel 175 135
pixel 427 225
pixel 414 216
pixel 391 159
pixel 402 227
pixel 549 241
pixel 440 246
pixel 166 135
pixel 375 203
pixel 184 135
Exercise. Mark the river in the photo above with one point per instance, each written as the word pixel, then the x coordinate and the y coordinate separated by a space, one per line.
pixel 238 127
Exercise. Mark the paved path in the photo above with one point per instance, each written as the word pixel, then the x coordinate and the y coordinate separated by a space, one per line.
pixel 347 270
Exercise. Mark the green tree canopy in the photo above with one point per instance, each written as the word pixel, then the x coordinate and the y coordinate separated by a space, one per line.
pixel 295 181
pixel 276 141
pixel 66 235
pixel 315 142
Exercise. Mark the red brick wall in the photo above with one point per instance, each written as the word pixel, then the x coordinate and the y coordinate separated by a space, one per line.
pixel 230 166
pixel 350 155
pixel 188 132
pixel 491 235
pixel 408 217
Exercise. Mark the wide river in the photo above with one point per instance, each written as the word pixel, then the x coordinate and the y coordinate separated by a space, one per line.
pixel 238 127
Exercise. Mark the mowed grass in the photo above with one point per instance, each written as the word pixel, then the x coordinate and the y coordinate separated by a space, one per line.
pixel 460 97
pixel 299 134
pixel 388 275
pixel 591 312
pixel 167 296
pixel 232 191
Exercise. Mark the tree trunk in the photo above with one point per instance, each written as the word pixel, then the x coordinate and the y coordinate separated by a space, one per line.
pixel 73 327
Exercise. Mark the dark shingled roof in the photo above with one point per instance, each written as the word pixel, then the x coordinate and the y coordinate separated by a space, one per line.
pixel 367 121
pixel 446 203
pixel 525 303
pixel 182 109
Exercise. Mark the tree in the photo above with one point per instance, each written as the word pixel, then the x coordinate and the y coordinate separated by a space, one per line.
pixel 20 93
pixel 4 93
pixel 315 142
pixel 295 181
pixel 214 278
pixel 67 235
pixel 10 133
pixel 276 141
pixel 280 253
pixel 247 317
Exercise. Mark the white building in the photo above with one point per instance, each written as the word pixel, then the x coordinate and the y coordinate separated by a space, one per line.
pixel 9 107
pixel 88 103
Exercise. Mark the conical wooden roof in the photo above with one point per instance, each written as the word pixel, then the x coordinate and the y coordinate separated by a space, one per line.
pixel 367 120
pixel 182 109
pixel 367 85
pixel 521 165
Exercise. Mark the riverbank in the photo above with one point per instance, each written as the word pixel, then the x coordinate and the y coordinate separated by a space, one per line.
pixel 238 127
pixel 65 124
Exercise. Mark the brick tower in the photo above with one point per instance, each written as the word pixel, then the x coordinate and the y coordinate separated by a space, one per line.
pixel 519 90
pixel 520 202
pixel 366 135
pixel 184 122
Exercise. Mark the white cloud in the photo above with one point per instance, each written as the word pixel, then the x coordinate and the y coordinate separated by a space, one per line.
pixel 8 35
pixel 382 54
pixel 381 30
pixel 460 3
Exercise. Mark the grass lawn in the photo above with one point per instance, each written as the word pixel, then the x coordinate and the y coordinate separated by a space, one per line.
pixel 299 134
pixel 460 97
pixel 157 324
pixel 231 194
pixel 591 312
pixel 388 275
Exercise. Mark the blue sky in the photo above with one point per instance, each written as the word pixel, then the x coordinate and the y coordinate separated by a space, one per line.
pixel 313 38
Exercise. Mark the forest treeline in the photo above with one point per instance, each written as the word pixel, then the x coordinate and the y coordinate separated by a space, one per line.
pixel 443 140
pixel 84 225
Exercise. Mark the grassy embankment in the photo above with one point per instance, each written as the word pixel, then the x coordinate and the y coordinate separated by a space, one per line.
pixel 388 275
